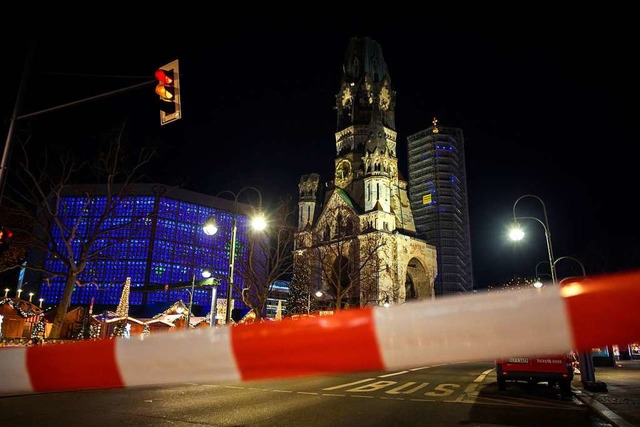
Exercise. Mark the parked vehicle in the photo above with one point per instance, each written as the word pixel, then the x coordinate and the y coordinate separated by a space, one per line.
pixel 552 369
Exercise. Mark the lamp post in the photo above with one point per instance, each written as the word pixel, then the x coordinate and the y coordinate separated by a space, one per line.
pixel 6 292
pixel 206 273
pixel 587 370
pixel 210 228
pixel 586 362
pixel 538 283
pixel 193 284
pixel 517 233
pixel 318 294
pixel 30 296
pixel 41 301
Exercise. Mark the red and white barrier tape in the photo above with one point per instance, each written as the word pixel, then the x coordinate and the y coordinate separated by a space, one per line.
pixel 582 314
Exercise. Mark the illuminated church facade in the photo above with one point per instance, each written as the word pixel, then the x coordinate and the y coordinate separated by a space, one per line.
pixel 356 233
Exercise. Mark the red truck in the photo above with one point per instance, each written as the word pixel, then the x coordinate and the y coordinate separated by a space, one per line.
pixel 552 369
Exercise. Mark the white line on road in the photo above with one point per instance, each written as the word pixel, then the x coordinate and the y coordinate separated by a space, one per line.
pixel 392 374
pixel 349 384
pixel 483 376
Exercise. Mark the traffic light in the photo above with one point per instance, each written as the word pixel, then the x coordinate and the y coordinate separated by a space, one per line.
pixel 5 238
pixel 168 90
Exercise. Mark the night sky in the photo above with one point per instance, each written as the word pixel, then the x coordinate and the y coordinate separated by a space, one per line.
pixel 550 112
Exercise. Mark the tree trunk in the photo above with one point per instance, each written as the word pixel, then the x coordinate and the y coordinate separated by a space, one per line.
pixel 63 305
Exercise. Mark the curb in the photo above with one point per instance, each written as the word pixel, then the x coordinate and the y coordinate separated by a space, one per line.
pixel 592 402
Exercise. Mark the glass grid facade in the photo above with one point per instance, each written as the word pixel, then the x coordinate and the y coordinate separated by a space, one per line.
pixel 438 193
pixel 162 249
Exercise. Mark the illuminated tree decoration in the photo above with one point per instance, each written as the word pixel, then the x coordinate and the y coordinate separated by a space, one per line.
pixel 38 329
pixel 298 298
pixel 94 331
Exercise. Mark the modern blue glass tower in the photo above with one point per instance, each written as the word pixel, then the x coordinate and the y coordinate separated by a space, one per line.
pixel 165 247
pixel 438 194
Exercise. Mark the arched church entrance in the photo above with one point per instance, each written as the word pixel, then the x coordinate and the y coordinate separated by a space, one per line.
pixel 416 282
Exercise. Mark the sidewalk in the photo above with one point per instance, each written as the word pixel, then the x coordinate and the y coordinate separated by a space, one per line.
pixel 620 404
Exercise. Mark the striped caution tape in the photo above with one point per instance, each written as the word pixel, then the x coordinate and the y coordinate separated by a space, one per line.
pixel 579 315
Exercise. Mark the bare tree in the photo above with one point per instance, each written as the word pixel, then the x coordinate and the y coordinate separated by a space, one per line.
pixel 268 258
pixel 86 237
pixel 345 257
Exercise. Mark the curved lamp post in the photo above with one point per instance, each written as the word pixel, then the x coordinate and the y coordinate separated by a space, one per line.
pixel 210 228
pixel 318 294
pixel 538 283
pixel 206 273
pixel 587 370
pixel 517 233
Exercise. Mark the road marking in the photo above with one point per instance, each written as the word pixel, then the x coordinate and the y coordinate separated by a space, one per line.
pixel 392 374
pixel 471 388
pixel 483 376
pixel 399 389
pixel 441 390
pixel 349 384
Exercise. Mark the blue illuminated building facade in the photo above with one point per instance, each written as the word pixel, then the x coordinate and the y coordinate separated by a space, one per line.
pixel 438 194
pixel 156 239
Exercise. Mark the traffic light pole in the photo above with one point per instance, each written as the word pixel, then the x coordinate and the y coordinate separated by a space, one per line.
pixel 15 117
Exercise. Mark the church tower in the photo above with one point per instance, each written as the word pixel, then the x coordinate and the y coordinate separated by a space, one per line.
pixel 359 242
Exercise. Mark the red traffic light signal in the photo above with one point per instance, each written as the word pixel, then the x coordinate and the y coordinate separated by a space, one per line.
pixel 165 88
pixel 5 238
pixel 168 91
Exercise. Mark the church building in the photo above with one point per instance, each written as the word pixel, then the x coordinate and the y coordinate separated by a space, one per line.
pixel 356 237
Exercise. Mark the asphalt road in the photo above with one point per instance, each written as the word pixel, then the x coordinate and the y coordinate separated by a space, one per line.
pixel 443 395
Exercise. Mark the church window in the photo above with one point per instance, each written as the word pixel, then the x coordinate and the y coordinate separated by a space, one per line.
pixel 349 227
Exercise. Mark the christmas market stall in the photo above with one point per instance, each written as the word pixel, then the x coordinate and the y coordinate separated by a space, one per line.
pixel 18 318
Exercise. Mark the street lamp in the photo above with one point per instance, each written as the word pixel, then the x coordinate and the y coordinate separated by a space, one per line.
pixel 30 296
pixel 193 283
pixel 210 228
pixel 587 370
pixel 41 301
pixel 6 292
pixel 206 273
pixel 517 233
pixel 318 294
pixel 538 283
